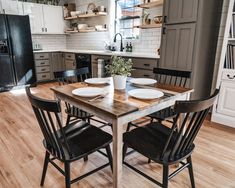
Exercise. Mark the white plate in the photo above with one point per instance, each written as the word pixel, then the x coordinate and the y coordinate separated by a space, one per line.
pixel 145 93
pixel 97 81
pixel 143 81
pixel 89 91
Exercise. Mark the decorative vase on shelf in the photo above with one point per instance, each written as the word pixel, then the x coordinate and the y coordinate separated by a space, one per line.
pixel 120 68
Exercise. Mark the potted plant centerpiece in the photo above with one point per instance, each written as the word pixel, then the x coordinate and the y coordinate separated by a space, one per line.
pixel 119 69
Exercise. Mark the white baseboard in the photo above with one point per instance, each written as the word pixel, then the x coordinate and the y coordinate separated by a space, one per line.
pixel 223 119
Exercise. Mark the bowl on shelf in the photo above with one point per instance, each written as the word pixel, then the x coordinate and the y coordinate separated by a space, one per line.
pixel 78 12
pixel 82 26
pixel 157 19
pixel 73 13
pixel 99 27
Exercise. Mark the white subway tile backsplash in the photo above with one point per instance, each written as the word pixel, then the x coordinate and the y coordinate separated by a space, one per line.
pixel 148 42
pixel 149 38
pixel 50 42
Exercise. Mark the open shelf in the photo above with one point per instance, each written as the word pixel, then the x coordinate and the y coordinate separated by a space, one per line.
pixel 84 31
pixel 87 15
pixel 151 4
pixel 149 26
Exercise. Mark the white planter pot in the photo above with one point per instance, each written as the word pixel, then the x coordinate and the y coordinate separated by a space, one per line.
pixel 119 82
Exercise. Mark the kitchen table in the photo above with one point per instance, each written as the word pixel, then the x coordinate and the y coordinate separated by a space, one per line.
pixel 119 108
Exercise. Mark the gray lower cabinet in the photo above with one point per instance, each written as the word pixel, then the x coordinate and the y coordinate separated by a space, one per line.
pixel 143 67
pixel 70 61
pixel 48 63
pixel 177 46
pixel 57 63
pixel 180 11
pixel 42 66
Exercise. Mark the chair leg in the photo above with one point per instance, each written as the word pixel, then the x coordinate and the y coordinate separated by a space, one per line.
pixel 165 176
pixel 46 161
pixel 190 169
pixel 68 120
pixel 124 150
pixel 109 154
pixel 85 158
pixel 67 174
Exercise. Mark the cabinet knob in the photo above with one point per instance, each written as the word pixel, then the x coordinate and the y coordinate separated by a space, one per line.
pixel 45 29
pixel 42 29
pixel 165 19
pixel 230 77
pixel 163 30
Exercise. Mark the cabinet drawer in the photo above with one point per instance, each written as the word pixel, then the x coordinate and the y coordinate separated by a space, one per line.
pixel 148 64
pixel 42 69
pixel 70 64
pixel 43 76
pixel 39 63
pixel 137 73
pixel 70 56
pixel 41 56
pixel 228 75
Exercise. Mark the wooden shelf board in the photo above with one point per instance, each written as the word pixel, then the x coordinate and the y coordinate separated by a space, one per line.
pixel 71 18
pixel 92 15
pixel 71 32
pixel 84 31
pixel 151 4
pixel 87 15
pixel 149 26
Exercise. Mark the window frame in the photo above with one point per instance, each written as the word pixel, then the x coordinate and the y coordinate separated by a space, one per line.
pixel 126 18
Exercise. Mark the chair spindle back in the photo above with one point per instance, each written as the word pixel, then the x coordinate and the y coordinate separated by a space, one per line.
pixel 72 76
pixel 172 77
pixel 47 114
pixel 194 112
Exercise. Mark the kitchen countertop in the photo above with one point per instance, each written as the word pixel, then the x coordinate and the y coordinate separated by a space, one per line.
pixel 100 52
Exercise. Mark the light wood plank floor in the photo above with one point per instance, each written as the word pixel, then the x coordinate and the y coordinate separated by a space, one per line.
pixel 22 153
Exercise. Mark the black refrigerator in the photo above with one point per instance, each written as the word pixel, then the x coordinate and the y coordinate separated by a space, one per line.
pixel 16 52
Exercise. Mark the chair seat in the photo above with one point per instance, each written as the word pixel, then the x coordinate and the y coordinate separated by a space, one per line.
pixel 78 113
pixel 163 114
pixel 150 140
pixel 83 139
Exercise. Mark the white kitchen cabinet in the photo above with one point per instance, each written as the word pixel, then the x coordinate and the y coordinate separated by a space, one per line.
pixel 53 19
pixel 35 12
pixel 226 101
pixel 11 7
pixel 224 110
pixel 44 19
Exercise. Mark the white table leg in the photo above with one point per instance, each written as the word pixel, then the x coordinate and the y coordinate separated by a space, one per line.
pixel 117 154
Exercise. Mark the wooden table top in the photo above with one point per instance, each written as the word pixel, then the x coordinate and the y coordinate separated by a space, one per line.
pixel 117 102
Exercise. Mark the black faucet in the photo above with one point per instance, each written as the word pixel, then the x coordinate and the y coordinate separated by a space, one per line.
pixel 115 40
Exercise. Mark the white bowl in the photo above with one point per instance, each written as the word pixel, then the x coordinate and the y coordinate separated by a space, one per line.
pixel 99 27
pixel 73 13
pixel 78 12
pixel 82 26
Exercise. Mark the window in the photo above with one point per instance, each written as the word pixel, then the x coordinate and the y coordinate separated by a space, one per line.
pixel 128 16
